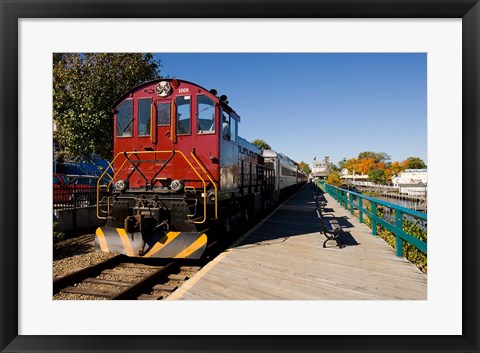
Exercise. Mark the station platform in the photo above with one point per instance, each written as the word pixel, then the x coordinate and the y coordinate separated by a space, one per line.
pixel 283 258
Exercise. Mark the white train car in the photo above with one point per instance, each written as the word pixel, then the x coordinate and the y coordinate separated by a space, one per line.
pixel 287 174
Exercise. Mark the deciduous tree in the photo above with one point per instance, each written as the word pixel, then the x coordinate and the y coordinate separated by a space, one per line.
pixel 413 163
pixel 334 179
pixel 366 165
pixel 85 87
pixel 262 144
pixel 388 175
pixel 305 167
pixel 396 168
pixel 377 176
pixel 351 165
pixel 377 156
pixel 342 164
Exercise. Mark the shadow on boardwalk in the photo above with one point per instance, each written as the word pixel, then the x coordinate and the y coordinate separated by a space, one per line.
pixel 295 217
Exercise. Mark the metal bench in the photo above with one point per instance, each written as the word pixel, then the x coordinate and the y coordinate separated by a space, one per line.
pixel 320 201
pixel 330 228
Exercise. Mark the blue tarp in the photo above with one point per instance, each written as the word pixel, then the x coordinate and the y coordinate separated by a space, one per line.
pixel 96 167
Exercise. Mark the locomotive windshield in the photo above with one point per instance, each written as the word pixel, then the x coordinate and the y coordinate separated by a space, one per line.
pixel 205 115
pixel 144 117
pixel 183 115
pixel 124 119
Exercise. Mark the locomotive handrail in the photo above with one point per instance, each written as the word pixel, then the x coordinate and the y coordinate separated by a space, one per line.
pixel 204 190
pixel 127 155
pixel 205 170
pixel 153 137
pixel 173 134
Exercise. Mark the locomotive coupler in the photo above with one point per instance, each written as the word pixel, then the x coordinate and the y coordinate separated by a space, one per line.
pixel 133 223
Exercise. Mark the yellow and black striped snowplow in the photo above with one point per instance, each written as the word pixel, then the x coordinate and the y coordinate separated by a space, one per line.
pixel 190 245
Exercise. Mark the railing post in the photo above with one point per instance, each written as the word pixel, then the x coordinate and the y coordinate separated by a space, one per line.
pixel 74 210
pixel 374 215
pixel 351 203
pixel 360 207
pixel 398 227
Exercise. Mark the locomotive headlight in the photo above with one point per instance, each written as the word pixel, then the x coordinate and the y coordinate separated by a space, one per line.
pixel 121 185
pixel 176 185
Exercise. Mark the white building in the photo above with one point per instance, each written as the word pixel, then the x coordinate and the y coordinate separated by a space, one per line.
pixel 412 181
pixel 360 179
pixel 321 169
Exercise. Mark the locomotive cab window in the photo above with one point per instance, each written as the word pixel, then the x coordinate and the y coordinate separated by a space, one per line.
pixel 124 119
pixel 225 125
pixel 163 114
pixel 205 115
pixel 183 115
pixel 144 111
pixel 233 129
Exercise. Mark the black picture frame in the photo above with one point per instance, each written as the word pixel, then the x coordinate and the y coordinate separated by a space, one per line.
pixel 12 11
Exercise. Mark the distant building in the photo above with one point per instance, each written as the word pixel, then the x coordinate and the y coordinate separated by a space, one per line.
pixel 354 178
pixel 412 182
pixel 321 169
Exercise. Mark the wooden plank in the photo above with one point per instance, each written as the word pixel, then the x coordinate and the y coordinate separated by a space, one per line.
pixel 89 291
pixel 164 287
pixel 108 281
pixel 149 297
pixel 125 273
pixel 190 268
pixel 147 267
pixel 177 277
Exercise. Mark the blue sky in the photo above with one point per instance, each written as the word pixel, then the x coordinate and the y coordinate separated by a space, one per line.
pixel 314 105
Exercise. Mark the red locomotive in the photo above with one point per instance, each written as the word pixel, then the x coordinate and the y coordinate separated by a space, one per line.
pixel 180 167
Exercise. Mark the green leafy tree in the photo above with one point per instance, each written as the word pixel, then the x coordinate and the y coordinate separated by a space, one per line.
pixel 261 144
pixel 377 176
pixel 377 156
pixel 305 167
pixel 85 87
pixel 342 164
pixel 413 163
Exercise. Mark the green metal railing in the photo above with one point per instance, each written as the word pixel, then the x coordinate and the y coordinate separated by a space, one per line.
pixel 352 200
pixel 321 185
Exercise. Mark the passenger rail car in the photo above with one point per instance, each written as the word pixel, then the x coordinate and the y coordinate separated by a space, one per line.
pixel 180 168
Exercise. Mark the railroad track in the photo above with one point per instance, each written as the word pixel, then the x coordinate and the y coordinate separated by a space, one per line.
pixel 129 278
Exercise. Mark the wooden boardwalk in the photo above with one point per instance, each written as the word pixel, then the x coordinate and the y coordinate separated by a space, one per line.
pixel 283 259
